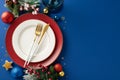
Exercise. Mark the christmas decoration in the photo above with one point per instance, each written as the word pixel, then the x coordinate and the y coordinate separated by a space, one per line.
pixel 9 2
pixel 29 5
pixel 53 5
pixel 7 17
pixel 58 67
pixel 45 10
pixel 16 72
pixel 62 18
pixel 30 77
pixel 13 6
pixel 56 18
pixel 61 73
pixel 7 65
pixel 41 73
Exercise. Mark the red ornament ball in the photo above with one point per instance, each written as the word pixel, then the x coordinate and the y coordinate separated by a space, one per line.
pixel 58 67
pixel 7 17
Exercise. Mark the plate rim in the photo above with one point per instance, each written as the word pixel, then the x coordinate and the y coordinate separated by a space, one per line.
pixel 19 52
pixel 39 16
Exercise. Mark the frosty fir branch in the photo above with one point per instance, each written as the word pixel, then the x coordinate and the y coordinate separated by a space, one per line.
pixel 42 73
pixel 15 6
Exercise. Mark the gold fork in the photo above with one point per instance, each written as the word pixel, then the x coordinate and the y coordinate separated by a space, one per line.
pixel 38 31
pixel 37 34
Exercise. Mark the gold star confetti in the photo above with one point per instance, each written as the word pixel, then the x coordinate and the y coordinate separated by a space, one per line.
pixel 7 65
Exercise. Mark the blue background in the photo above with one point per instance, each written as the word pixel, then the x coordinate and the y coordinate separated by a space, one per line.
pixel 91 33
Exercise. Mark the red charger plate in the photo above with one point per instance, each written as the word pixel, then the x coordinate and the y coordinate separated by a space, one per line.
pixel 54 26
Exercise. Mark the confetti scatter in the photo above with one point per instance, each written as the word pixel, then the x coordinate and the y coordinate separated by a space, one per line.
pixel 65 21
pixel 67 76
pixel 5 51
pixel 1 57
pixel 64 64
pixel 5 55
pixel 5 28
pixel 62 18
pixel 64 28
pixel 62 58
pixel 1 60
pixel 2 47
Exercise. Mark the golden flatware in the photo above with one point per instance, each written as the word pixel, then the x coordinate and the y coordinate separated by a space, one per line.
pixel 37 34
pixel 41 36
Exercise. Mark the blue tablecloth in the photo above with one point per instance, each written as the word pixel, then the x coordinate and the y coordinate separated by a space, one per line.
pixel 91 49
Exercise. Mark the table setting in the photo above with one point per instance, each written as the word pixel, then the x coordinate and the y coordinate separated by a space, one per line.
pixel 59 40
pixel 33 40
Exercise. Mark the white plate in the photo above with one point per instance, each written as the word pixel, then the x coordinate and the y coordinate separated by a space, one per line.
pixel 23 38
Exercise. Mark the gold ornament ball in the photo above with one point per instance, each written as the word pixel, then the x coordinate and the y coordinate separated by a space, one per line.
pixel 45 10
pixel 61 73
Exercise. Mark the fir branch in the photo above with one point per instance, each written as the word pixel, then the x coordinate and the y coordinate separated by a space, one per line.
pixel 9 7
